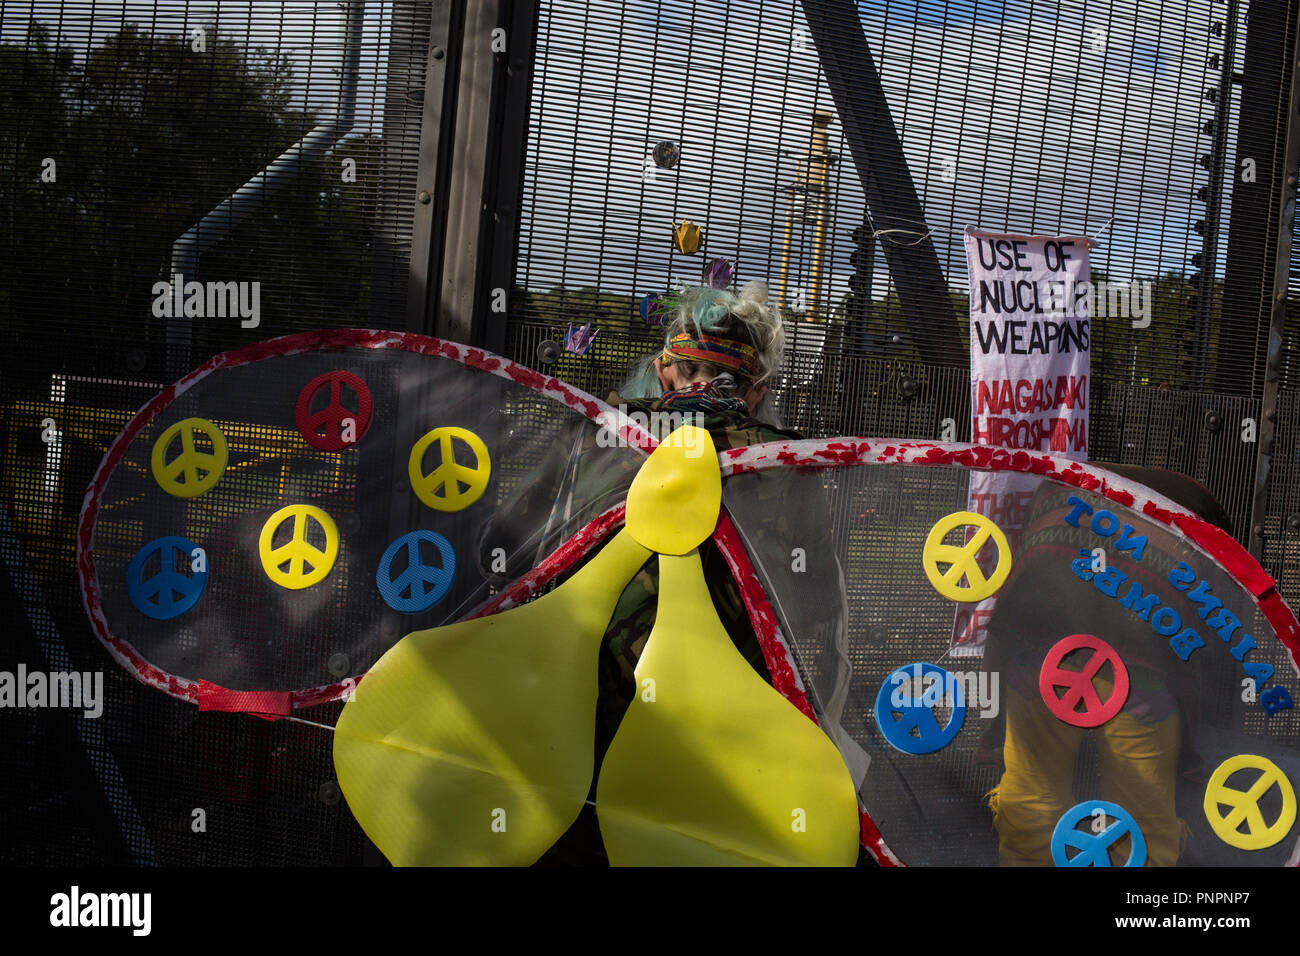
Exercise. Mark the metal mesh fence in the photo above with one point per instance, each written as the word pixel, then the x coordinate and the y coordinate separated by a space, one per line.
pixel 1073 118
pixel 1159 128
pixel 122 129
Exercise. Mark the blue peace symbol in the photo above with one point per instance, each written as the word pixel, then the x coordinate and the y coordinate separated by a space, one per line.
pixel 913 714
pixel 1094 847
pixel 412 581
pixel 169 593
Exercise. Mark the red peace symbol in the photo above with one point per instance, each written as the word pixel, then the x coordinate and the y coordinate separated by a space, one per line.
pixel 1078 684
pixel 325 429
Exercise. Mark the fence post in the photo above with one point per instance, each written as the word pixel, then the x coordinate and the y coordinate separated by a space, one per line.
pixel 480 146
pixel 1277 311
pixel 429 217
pixel 1214 203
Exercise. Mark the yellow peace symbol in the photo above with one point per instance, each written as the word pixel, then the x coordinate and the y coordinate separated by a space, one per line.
pixel 298 552
pixel 449 476
pixel 1245 803
pixel 180 476
pixel 962 558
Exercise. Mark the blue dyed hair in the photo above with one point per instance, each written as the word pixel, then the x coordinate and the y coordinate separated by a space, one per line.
pixel 716 311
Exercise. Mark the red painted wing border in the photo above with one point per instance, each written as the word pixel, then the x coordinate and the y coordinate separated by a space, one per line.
pixel 277 703
pixel 825 453
pixel 847 452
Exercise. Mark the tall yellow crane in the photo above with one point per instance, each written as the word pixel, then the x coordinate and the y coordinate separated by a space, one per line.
pixel 807 203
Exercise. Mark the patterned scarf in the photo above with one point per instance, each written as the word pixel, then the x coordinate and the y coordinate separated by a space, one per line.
pixel 704 397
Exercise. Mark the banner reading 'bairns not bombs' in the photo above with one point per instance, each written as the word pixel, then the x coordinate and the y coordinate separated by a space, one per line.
pixel 1030 305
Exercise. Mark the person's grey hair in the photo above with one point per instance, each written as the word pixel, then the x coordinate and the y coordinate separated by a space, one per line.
pixel 701 309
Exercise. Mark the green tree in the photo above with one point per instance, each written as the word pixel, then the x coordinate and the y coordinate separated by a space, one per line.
pixel 148 135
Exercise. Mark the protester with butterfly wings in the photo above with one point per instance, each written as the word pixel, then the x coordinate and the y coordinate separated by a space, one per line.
pixel 720 351
pixel 1141 749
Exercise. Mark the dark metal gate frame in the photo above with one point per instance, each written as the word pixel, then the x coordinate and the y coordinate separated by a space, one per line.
pixel 471 149
pixel 1285 206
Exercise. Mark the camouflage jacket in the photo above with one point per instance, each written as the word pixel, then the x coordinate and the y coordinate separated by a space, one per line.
pixel 729 424
pixel 579 476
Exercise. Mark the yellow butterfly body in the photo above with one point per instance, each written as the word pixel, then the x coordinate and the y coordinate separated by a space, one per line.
pixel 473 743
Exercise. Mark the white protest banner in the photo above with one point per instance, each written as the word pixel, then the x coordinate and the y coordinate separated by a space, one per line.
pixel 1030 315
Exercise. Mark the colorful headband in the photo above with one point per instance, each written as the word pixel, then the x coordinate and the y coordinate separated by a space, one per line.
pixel 725 353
